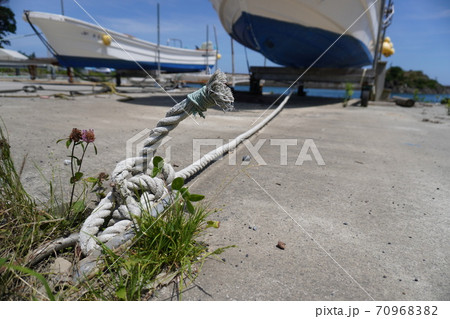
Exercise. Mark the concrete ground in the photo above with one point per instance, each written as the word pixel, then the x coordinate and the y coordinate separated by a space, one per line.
pixel 372 223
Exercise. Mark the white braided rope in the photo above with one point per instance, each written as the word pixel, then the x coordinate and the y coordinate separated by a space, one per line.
pixel 215 154
pixel 121 223
pixel 130 175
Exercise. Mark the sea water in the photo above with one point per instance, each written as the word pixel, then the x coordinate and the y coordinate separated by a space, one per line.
pixel 340 94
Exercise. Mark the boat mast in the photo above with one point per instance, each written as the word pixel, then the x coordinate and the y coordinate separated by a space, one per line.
pixel 207 49
pixel 158 56
pixel 217 47
pixel 232 62
pixel 62 7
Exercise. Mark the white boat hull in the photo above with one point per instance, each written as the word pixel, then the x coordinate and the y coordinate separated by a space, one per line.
pixel 80 44
pixel 296 32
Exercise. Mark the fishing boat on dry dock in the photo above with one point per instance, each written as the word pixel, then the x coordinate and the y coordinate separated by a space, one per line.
pixel 294 33
pixel 76 43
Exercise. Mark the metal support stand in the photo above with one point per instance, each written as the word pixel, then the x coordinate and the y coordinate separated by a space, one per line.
pixel 118 79
pixel 301 90
pixel 255 87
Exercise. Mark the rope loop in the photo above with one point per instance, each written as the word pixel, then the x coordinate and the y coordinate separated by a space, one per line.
pixel 134 189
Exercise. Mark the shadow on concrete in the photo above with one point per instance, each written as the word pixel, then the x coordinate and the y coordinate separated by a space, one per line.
pixel 248 101
pixel 243 100
pixel 156 100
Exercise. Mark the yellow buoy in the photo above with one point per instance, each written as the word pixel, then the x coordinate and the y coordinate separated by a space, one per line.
pixel 387 48
pixel 106 39
pixel 218 56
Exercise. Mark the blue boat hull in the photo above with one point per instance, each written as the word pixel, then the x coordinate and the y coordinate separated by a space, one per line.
pixel 80 62
pixel 297 46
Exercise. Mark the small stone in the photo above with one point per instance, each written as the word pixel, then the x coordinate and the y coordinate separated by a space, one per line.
pixel 61 271
pixel 66 162
pixel 246 158
pixel 281 245
pixel 255 228
pixel 61 266
pixel 224 260
pixel 345 224
pixel 415 279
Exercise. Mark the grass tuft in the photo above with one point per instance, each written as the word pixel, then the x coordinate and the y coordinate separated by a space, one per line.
pixel 166 249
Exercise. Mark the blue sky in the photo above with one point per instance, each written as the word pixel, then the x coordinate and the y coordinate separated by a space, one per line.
pixel 420 30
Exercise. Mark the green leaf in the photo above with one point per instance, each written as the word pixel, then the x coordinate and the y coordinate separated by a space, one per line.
pixel 155 171
pixel 78 206
pixel 121 293
pixel 91 180
pixel 178 183
pixel 195 197
pixel 68 142
pixel 190 207
pixel 78 162
pixel 76 177
pixel 95 148
pixel 184 191
pixel 158 162
pixel 213 223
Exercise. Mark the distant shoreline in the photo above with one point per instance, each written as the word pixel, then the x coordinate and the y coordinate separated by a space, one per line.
pixel 440 91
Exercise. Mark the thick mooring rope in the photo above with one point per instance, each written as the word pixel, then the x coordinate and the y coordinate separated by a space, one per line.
pixel 120 206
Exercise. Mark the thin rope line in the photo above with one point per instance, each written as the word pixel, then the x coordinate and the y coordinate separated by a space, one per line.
pixel 131 57
pixel 312 64
pixel 307 233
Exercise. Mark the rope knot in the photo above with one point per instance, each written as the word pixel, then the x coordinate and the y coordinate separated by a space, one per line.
pixel 215 92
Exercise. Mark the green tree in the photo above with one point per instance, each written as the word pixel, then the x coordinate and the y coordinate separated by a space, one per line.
pixel 395 75
pixel 7 22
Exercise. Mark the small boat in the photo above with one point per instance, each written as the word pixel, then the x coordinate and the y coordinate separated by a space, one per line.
pixel 11 56
pixel 76 43
pixel 295 33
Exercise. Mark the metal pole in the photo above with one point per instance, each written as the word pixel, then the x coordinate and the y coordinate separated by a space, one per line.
pixel 380 27
pixel 62 7
pixel 217 47
pixel 385 27
pixel 158 59
pixel 207 49
pixel 377 52
pixel 232 62
pixel 232 55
